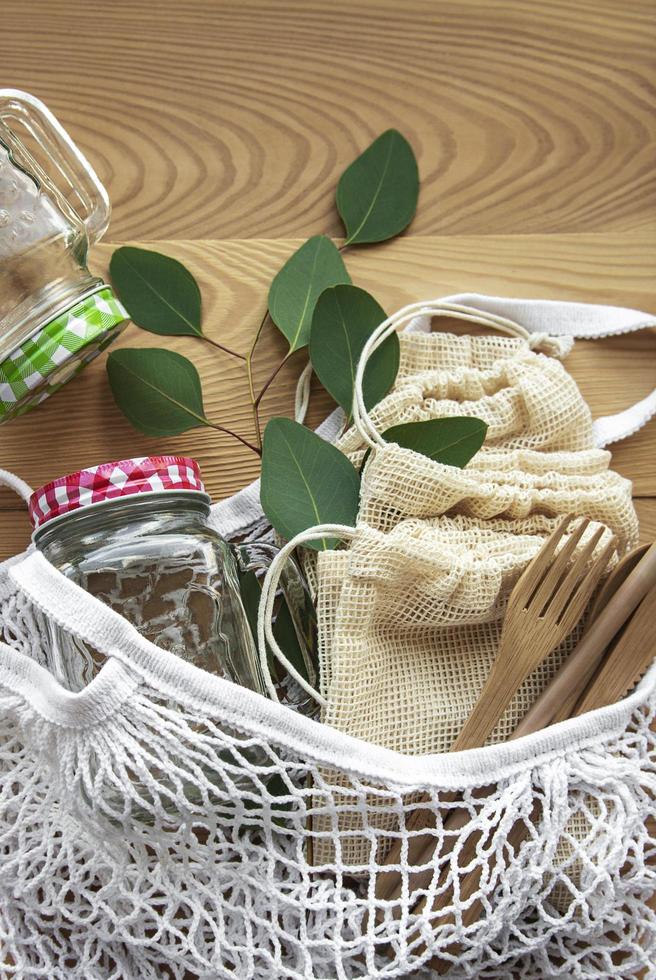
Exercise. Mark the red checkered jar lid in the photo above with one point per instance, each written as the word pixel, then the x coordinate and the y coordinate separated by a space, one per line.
pixel 109 481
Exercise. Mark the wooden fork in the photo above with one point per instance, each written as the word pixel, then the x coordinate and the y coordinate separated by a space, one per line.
pixel 544 607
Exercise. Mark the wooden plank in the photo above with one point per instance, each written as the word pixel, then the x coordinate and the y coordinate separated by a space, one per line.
pixel 235 118
pixel 646 508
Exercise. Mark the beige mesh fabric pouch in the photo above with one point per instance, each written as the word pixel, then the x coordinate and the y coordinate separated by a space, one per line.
pixel 410 614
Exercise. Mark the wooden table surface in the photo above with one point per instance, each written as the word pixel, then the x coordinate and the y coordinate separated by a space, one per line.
pixel 220 128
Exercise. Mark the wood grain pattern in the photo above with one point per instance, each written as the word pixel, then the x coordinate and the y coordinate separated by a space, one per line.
pixel 234 118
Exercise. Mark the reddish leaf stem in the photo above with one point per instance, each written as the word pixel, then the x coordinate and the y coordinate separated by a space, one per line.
pixel 226 350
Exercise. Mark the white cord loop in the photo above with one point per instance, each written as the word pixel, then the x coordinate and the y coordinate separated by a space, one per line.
pixel 398 320
pixel 268 598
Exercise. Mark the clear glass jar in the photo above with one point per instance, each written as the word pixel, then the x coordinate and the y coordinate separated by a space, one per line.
pixel 54 315
pixel 135 534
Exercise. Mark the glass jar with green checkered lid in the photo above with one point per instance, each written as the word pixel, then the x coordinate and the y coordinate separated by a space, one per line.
pixel 54 315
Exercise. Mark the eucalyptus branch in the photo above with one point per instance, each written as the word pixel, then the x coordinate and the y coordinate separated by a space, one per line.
pixel 251 386
pixel 312 295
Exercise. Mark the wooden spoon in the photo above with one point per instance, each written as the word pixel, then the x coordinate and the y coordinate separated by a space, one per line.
pixel 627 661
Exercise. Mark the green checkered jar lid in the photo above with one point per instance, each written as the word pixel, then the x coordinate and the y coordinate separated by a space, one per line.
pixel 57 351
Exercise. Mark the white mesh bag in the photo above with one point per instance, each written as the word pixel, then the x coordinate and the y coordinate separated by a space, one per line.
pixel 163 823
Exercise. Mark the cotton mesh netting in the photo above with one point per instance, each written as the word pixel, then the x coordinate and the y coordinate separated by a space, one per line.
pixel 167 824
pixel 149 835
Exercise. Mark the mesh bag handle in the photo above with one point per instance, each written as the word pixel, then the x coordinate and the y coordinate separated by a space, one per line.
pixel 13 482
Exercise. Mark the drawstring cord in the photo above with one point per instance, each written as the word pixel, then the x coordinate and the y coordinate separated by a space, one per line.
pixel 267 599
pixel 361 417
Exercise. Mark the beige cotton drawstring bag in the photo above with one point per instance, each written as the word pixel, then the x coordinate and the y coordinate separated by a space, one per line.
pixel 410 614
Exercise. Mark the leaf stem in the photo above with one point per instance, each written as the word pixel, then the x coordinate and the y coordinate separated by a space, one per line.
pixel 226 350
pixel 235 435
pixel 251 386
pixel 271 378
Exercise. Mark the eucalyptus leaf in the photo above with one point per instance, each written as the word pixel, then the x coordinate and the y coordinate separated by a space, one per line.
pixel 305 481
pixel 452 441
pixel 159 293
pixel 250 589
pixel 315 266
pixel 286 638
pixel 344 319
pixel 157 390
pixel 377 195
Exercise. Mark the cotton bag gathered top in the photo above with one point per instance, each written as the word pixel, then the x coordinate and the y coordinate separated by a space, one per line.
pixel 281 885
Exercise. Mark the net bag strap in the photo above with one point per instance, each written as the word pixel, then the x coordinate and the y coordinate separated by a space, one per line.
pixel 13 482
pixel 585 321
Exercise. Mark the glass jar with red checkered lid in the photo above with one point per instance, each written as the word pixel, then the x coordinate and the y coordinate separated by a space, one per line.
pixel 136 534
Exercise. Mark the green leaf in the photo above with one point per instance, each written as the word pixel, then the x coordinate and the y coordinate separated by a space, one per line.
pixel 377 195
pixel 287 640
pixel 157 390
pixel 159 293
pixel 250 588
pixel 316 265
pixel 452 441
pixel 305 481
pixel 344 319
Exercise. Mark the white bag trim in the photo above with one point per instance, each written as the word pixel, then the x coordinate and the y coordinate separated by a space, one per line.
pixel 133 658
pixel 15 483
